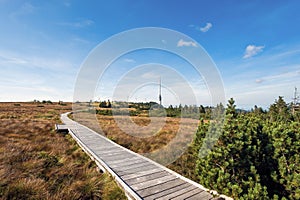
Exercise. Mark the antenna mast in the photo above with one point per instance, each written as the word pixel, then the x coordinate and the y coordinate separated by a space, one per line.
pixel 159 97
pixel 295 100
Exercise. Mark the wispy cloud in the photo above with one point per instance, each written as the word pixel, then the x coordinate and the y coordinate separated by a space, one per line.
pixel 129 60
pixel 288 76
pixel 264 89
pixel 80 40
pixel 27 77
pixel 247 94
pixel 11 59
pixel 203 29
pixel 182 43
pixel 252 50
pixel 206 28
pixel 78 24
pixel 259 80
pixel 4 59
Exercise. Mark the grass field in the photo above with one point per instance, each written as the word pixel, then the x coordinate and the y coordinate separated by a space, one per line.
pixel 37 163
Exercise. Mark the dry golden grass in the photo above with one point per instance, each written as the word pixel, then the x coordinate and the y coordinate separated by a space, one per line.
pixel 144 140
pixel 148 139
pixel 37 163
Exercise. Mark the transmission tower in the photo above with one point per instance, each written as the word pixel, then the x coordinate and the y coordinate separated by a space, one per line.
pixel 159 96
pixel 295 101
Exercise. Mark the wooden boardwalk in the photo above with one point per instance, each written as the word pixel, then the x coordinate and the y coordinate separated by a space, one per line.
pixel 140 177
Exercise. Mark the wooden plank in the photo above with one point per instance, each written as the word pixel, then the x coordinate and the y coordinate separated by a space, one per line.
pixel 94 136
pixel 188 194
pixel 117 157
pixel 112 152
pixel 85 136
pixel 104 148
pixel 129 167
pixel 128 163
pixel 164 192
pixel 146 177
pixel 157 181
pixel 139 174
pixel 96 143
pixel 160 188
pixel 109 153
pixel 124 161
pixel 136 170
pixel 61 128
pixel 177 193
pixel 202 195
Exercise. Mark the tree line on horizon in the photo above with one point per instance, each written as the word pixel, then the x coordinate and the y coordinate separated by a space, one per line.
pixel 186 111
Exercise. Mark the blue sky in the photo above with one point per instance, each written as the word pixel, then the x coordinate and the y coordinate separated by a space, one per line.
pixel 254 44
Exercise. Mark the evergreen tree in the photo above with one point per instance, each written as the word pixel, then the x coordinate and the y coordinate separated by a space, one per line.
pixel 201 109
pixel 103 104
pixel 286 144
pixel 229 168
pixel 258 110
pixel 108 105
pixel 256 155
pixel 279 111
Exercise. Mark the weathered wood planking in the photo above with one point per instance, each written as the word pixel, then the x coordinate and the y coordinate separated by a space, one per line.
pixel 140 177
pixel 61 128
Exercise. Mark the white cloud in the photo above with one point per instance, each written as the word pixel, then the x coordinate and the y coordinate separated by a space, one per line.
pixel 78 24
pixel 25 78
pixel 259 80
pixel 205 28
pixel 248 95
pixel 13 59
pixel 129 60
pixel 249 89
pixel 252 50
pixel 80 40
pixel 182 43
pixel 286 76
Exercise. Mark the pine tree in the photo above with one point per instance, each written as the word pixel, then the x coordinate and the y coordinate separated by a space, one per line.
pixel 102 104
pixel 256 156
pixel 286 143
pixel 230 167
pixel 279 111
pixel 108 105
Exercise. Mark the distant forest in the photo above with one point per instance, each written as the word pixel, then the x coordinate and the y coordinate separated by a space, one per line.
pixel 136 109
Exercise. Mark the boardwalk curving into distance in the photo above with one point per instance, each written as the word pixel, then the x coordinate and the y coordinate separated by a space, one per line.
pixel 139 177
